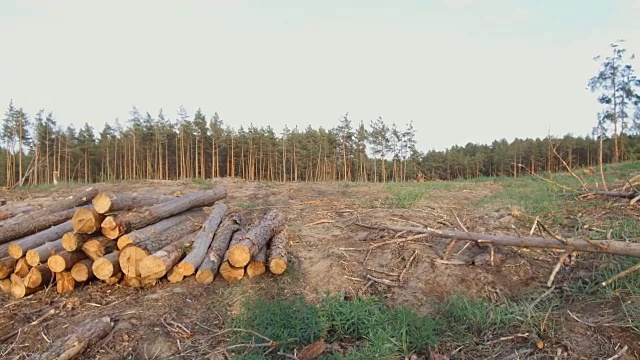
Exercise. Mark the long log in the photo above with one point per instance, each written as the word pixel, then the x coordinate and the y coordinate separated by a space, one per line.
pixel 278 254
pixel 159 230
pixel 115 226
pixel 65 260
pixel 43 252
pixel 86 221
pixel 72 241
pixel 65 283
pixel 204 237
pixel 211 263
pixel 38 276
pixel 107 202
pixel 89 332
pixel 98 247
pixel 7 265
pixel 7 212
pixel 158 264
pixel 613 247
pixel 81 271
pixel 107 266
pixel 18 248
pixel 54 214
pixel 240 253
pixel 257 265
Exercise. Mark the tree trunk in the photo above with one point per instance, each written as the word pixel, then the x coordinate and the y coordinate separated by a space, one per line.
pixel 108 202
pixel 97 247
pixel 86 221
pixel 256 266
pixel 166 227
pixel 159 263
pixel 595 246
pixel 64 260
pixel 43 252
pixel 7 265
pixel 17 249
pixel 65 283
pixel 203 240
pixel 115 226
pixel 107 266
pixel 16 227
pixel 278 254
pixel 72 241
pixel 240 253
pixel 81 271
pixel 89 332
pixel 211 263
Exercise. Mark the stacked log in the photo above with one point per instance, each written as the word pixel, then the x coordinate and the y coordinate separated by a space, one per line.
pixel 137 240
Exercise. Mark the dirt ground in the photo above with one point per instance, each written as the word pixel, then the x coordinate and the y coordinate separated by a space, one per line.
pixel 328 252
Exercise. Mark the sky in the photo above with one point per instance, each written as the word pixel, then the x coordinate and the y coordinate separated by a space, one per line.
pixel 461 70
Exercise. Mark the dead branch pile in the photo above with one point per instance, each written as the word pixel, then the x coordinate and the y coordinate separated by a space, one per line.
pixel 136 240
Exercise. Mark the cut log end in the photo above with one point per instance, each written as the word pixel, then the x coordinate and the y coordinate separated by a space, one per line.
pixel 72 241
pixel 277 266
pixel 256 268
pixel 205 276
pixel 33 258
pixel 102 203
pixel 106 267
pixel 37 276
pixel 86 221
pixel 65 283
pixel 109 228
pixel 231 273
pixel 152 266
pixel 239 255
pixel 5 286
pixel 82 271
pixel 123 241
pixel 21 267
pixel 130 259
pixel 174 275
pixel 15 251
pixel 94 249
pixel 186 269
pixel 56 263
pixel 7 265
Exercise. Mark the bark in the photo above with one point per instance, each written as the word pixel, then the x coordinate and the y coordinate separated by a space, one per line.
pixel 43 252
pixel 38 276
pixel 240 253
pixel 81 271
pixel 115 226
pixel 89 332
pixel 256 266
pixel 108 202
pixel 278 254
pixel 188 221
pixel 7 212
pixel 594 246
pixel 22 268
pixel 107 266
pixel 18 248
pixel 65 260
pixel 211 263
pixel 16 228
pixel 65 283
pixel 203 240
pixel 57 213
pixel 7 265
pixel 86 221
pixel 159 263
pixel 72 241
pixel 98 247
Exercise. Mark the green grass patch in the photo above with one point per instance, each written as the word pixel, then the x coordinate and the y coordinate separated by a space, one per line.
pixel 247 205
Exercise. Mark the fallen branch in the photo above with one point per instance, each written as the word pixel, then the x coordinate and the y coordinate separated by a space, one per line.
pixel 596 246
pixel 621 275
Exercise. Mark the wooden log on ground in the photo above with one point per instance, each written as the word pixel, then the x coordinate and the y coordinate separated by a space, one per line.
pixel 158 264
pixel 241 252
pixel 38 276
pixel 158 230
pixel 43 252
pixel 7 212
pixel 257 265
pixel 7 265
pixel 81 271
pixel 108 202
pixel 21 267
pixel 204 237
pixel 89 332
pixel 65 283
pixel 65 260
pixel 231 273
pixel 115 226
pixel 613 247
pixel 107 266
pixel 133 254
pixel 18 248
pixel 278 254
pixel 54 214
pixel 98 247
pixel 174 275
pixel 5 286
pixel 72 241
pixel 86 221
pixel 211 263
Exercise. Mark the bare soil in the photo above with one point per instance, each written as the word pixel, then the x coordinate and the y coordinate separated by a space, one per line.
pixel 328 251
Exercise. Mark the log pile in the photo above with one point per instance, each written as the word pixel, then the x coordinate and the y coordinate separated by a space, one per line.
pixel 136 240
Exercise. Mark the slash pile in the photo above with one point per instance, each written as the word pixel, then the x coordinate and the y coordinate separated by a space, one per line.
pixel 136 240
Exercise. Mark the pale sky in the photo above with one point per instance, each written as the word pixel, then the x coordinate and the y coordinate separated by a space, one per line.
pixel 463 71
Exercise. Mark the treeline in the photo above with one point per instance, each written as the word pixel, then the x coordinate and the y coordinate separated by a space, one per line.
pixel 35 149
